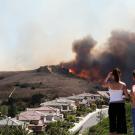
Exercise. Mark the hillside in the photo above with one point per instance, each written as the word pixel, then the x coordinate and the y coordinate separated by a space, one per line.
pixel 53 82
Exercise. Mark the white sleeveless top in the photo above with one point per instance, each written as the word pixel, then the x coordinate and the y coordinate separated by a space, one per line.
pixel 116 95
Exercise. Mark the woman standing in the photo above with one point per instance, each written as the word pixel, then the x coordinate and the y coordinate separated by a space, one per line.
pixel 117 116
pixel 132 94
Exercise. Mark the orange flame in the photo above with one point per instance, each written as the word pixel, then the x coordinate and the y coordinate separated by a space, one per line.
pixel 72 71
pixel 84 74
pixel 92 74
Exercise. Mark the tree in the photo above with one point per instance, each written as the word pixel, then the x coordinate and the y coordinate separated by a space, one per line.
pixel 11 107
pixel 36 99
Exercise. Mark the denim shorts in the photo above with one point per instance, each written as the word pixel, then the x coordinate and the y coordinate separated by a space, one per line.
pixel 133 118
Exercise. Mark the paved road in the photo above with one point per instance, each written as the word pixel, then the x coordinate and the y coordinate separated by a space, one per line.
pixel 90 120
pixel 93 120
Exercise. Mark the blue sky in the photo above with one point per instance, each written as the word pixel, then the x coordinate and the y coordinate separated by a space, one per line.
pixel 41 32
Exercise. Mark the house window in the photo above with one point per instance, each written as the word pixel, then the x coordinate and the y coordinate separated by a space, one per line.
pixel 49 118
pixel 64 107
pixel 34 122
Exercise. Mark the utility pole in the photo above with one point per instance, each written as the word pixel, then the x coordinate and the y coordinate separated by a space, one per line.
pixel 11 92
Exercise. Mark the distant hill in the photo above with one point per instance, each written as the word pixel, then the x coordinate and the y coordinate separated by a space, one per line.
pixel 52 81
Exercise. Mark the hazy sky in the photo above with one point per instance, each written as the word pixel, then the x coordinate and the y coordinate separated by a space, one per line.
pixel 40 32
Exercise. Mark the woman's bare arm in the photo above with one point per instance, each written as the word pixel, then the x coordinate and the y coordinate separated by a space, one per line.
pixel 106 84
pixel 132 94
pixel 125 91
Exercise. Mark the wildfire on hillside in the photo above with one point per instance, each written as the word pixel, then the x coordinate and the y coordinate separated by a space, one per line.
pixel 83 74
pixel 89 63
pixel 93 74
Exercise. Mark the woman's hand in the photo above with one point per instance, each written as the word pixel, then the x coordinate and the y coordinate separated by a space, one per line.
pixel 109 75
pixel 106 84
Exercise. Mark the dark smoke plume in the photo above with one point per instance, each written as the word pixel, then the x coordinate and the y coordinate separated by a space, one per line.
pixel 83 49
pixel 119 52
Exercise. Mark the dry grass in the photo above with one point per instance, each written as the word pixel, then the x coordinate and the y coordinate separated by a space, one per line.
pixel 52 84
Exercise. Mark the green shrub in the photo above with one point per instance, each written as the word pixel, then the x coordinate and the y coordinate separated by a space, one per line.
pixel 4 109
pixel 58 128
pixel 93 106
pixel 14 131
pixel 71 118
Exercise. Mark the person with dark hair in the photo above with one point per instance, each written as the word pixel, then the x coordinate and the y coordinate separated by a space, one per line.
pixel 133 101
pixel 117 114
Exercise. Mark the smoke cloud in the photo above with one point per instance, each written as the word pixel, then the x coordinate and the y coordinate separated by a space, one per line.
pixel 83 49
pixel 119 52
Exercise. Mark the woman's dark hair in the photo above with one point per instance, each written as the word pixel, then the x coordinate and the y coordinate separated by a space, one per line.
pixel 116 73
